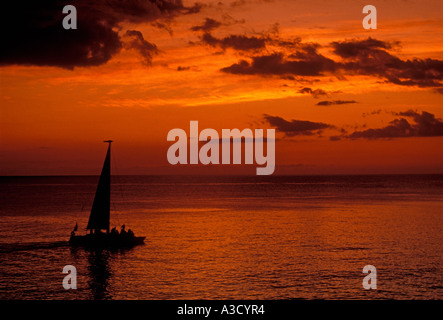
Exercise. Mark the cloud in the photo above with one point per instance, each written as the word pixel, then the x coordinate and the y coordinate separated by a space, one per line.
pixel 353 48
pixel 305 61
pixel 33 32
pixel 296 127
pixel 207 26
pixel 237 3
pixel 371 57
pixel 335 102
pixel 374 112
pixel 315 93
pixel 423 124
pixel 229 20
pixel 194 68
pixel 163 26
pixel 355 57
pixel 145 48
pixel 237 42
pixel 182 68
pixel 255 43
pixel 196 8
pixel 210 24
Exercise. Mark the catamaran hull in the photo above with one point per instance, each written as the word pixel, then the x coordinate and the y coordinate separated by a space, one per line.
pixel 105 241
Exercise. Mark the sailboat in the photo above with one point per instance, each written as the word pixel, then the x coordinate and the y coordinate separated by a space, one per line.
pixel 99 220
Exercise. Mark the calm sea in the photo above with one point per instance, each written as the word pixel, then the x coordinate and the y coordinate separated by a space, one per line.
pixel 277 237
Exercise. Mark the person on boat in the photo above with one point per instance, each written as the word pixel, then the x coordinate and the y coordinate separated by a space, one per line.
pixel 114 231
pixel 123 231
pixel 130 233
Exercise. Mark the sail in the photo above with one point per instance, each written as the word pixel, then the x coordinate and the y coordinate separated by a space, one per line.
pixel 99 217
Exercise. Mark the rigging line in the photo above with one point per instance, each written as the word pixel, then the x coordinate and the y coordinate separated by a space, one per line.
pixel 84 198
pixel 117 178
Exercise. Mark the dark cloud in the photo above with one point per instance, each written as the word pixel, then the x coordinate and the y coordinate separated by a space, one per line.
pixel 335 138
pixel 207 26
pixel 305 61
pixel 32 31
pixel 137 42
pixel 182 68
pixel 211 24
pixel 196 8
pixel 375 112
pixel 255 43
pixel 237 3
pixel 353 48
pixel 163 26
pixel 229 20
pixel 335 102
pixel 237 42
pixel 356 57
pixel 423 124
pixel 315 93
pixel 296 127
pixel 371 57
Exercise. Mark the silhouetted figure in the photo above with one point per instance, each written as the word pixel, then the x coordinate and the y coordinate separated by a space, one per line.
pixel 130 233
pixel 114 231
pixel 123 231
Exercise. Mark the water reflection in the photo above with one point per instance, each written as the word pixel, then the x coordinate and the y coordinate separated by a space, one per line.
pixel 99 272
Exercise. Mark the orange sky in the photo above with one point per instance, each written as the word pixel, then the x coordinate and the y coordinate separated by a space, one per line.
pixel 53 120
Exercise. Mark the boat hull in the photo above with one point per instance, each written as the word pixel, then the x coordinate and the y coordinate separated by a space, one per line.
pixel 105 241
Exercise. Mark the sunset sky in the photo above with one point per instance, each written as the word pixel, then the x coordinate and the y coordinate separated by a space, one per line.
pixel 341 98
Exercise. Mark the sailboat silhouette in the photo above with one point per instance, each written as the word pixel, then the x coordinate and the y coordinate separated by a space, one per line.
pixel 99 219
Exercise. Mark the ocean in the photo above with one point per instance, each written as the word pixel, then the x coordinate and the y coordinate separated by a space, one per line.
pixel 227 237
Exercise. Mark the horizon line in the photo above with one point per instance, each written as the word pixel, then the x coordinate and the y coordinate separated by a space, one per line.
pixel 227 175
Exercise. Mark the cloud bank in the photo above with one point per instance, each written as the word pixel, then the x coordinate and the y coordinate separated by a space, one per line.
pixel 32 32
pixel 295 127
pixel 410 124
pixel 370 57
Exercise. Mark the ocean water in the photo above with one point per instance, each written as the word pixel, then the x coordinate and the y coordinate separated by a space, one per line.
pixel 277 237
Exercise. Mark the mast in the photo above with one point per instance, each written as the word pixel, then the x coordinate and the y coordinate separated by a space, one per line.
pixel 100 212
